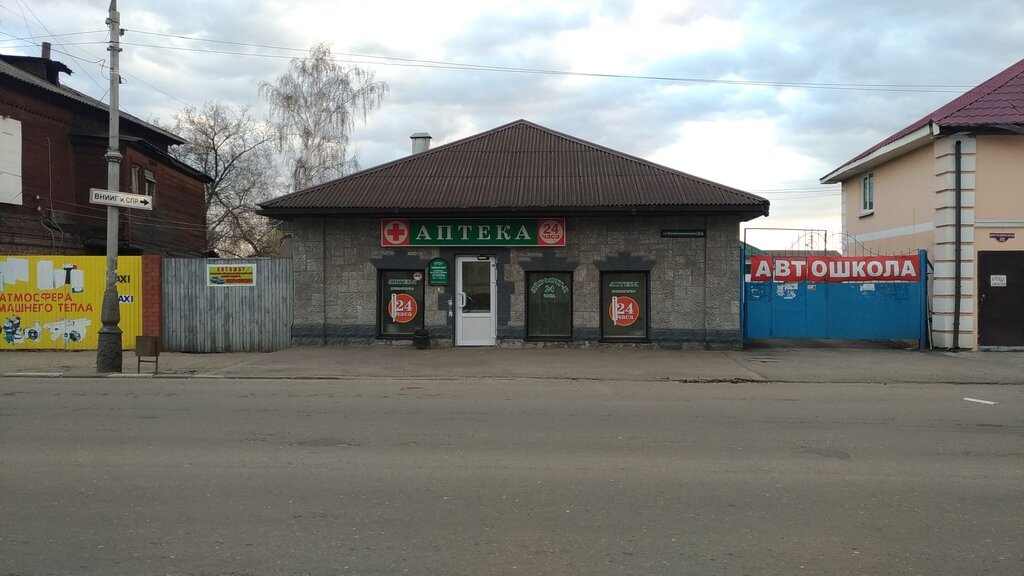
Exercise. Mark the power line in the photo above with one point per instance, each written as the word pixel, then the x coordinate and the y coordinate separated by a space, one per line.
pixel 212 41
pixel 102 63
pixel 147 219
pixel 68 54
pixel 48 36
pixel 823 190
pixel 141 81
pixel 43 26
pixel 813 186
pixel 808 197
pixel 412 62
pixel 62 44
pixel 450 65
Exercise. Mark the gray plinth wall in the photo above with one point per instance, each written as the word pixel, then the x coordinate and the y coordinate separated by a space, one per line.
pixel 693 282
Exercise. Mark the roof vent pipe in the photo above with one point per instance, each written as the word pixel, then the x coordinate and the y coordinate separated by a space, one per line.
pixel 420 142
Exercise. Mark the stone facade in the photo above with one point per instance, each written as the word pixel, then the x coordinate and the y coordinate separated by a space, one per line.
pixel 694 293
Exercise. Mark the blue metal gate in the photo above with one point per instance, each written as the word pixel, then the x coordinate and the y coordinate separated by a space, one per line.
pixel 838 310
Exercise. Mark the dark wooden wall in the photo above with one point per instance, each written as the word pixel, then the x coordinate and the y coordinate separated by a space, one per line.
pixel 63 147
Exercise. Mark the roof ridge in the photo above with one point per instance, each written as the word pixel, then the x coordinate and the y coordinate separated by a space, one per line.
pixel 391 163
pixel 980 91
pixel 517 123
pixel 941 115
pixel 648 163
pixel 6 68
pixel 518 166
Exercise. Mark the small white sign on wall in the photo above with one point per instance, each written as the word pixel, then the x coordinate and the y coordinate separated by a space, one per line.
pixel 997 281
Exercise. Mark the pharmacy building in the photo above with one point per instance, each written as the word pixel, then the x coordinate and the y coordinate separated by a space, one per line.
pixel 519 235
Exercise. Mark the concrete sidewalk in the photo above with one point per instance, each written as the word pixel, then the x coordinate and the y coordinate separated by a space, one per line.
pixel 813 361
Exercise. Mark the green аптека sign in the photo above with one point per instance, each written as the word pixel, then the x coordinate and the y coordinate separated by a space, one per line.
pixel 472 232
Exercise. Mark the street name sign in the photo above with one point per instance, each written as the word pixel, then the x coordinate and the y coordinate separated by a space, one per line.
pixel 120 199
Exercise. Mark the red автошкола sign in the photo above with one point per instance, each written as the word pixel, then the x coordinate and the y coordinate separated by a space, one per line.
pixel 835 269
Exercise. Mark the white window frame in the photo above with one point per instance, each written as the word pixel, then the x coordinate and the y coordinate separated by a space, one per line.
pixel 867 194
pixel 150 189
pixel 10 161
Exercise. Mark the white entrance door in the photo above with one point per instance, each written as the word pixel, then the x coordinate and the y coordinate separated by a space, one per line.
pixel 475 315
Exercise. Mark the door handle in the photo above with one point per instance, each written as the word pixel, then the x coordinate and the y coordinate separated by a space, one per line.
pixel 981 301
pixel 461 300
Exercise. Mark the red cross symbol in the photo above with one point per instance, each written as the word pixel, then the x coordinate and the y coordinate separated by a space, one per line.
pixel 394 232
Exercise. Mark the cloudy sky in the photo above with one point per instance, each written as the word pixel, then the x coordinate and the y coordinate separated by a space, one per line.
pixel 766 96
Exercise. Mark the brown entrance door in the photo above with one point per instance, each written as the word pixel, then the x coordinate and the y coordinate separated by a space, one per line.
pixel 1001 298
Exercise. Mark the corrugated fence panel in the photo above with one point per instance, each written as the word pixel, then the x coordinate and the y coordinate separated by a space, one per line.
pixel 239 306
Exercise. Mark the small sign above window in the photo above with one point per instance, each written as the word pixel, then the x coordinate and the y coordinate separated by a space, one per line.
pixel 682 234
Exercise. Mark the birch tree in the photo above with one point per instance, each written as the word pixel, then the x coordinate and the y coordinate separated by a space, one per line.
pixel 313 108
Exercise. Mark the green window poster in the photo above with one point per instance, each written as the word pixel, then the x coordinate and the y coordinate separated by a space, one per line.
pixel 401 302
pixel 624 306
pixel 549 305
pixel 438 272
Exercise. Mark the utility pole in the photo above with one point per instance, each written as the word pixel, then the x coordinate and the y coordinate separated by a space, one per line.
pixel 108 348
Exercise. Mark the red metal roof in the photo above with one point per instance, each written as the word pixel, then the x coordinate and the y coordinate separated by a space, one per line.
pixel 999 101
pixel 521 167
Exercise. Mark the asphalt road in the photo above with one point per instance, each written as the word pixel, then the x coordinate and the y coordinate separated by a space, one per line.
pixel 475 476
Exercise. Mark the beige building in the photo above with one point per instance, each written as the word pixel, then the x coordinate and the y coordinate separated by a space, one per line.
pixel 952 183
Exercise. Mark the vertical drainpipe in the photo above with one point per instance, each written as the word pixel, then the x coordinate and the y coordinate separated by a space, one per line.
pixel 744 318
pixel 706 232
pixel 323 280
pixel 957 247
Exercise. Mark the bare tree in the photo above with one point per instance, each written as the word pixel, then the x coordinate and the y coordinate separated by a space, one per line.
pixel 237 152
pixel 313 107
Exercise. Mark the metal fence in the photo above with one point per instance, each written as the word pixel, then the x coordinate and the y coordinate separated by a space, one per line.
pixel 217 305
pixel 855 307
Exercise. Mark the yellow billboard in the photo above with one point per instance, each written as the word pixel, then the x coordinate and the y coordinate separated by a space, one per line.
pixel 54 302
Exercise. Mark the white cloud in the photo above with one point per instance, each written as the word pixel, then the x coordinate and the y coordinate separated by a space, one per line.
pixel 749 154
pixel 753 138
pixel 743 153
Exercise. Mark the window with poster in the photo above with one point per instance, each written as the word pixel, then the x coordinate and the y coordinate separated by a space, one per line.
pixel 624 306
pixel 549 305
pixel 401 303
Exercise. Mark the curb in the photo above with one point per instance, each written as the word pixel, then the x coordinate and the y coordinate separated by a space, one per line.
pixel 580 380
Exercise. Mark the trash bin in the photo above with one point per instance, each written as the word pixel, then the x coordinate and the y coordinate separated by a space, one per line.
pixel 421 339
